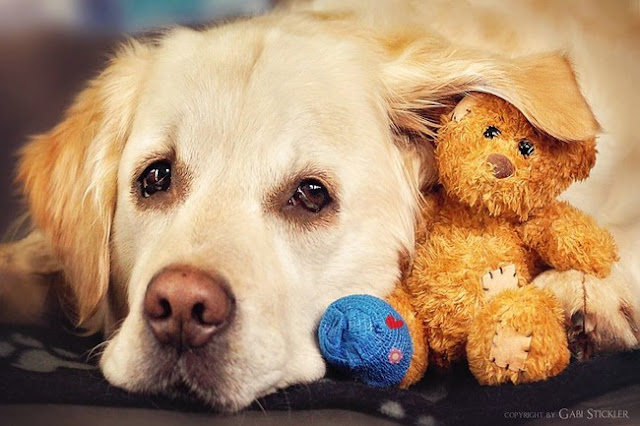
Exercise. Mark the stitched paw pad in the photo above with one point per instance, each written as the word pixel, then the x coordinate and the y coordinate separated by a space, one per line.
pixel 493 282
pixel 509 349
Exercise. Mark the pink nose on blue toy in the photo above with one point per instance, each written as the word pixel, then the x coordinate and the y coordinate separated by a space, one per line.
pixel 365 337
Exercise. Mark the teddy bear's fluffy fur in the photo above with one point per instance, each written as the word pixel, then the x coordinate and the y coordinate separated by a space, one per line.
pixel 494 225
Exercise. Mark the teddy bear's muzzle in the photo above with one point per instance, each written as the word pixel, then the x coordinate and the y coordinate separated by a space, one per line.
pixel 502 166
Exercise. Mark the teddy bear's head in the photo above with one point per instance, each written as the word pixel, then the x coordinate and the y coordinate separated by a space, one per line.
pixel 489 156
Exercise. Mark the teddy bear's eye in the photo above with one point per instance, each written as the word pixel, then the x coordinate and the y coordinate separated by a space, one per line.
pixel 525 147
pixel 491 132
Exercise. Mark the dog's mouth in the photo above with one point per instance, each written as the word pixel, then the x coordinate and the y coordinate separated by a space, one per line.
pixel 190 391
pixel 185 381
pixel 181 390
pixel 207 375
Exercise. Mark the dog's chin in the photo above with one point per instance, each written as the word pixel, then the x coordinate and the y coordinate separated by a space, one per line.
pixel 226 390
pixel 223 396
pixel 194 376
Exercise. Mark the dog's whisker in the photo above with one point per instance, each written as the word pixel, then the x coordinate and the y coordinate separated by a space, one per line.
pixel 257 401
pixel 96 351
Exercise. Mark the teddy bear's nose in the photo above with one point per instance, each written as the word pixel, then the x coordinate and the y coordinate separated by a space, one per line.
pixel 502 167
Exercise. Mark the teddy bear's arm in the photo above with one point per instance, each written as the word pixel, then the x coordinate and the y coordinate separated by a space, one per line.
pixel 566 238
pixel 401 302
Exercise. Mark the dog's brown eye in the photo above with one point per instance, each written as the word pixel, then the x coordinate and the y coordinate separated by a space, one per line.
pixel 310 195
pixel 491 132
pixel 525 147
pixel 155 178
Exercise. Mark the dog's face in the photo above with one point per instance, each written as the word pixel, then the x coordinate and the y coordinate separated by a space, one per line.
pixel 243 168
pixel 212 193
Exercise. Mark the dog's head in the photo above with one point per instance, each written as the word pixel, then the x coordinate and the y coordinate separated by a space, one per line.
pixel 211 193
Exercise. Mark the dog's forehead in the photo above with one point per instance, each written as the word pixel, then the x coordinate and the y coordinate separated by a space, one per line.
pixel 259 92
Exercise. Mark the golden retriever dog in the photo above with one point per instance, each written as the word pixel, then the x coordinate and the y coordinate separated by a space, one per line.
pixel 212 191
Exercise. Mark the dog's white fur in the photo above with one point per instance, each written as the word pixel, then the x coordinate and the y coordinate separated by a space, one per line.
pixel 246 106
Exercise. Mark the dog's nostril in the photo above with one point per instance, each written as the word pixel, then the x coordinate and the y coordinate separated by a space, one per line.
pixel 157 308
pixel 165 307
pixel 198 313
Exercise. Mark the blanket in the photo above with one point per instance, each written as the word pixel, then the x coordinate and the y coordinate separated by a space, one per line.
pixel 56 366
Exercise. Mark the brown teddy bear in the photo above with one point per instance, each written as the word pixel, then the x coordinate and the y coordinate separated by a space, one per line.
pixel 498 225
pixel 492 225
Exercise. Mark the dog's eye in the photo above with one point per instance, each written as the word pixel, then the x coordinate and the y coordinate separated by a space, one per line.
pixel 155 178
pixel 491 132
pixel 311 195
pixel 525 147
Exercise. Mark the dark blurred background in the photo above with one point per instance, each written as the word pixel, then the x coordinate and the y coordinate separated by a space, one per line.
pixel 50 48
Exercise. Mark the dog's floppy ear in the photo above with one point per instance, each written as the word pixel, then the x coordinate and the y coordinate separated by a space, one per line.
pixel 423 76
pixel 69 176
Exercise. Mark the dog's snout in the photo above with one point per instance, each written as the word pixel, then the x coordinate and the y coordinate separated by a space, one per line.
pixel 502 166
pixel 185 307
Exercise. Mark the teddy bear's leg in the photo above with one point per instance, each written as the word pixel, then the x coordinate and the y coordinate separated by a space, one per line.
pixel 448 284
pixel 518 337
pixel 401 302
pixel 600 313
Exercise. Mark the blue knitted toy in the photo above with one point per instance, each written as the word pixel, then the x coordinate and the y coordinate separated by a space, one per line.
pixel 366 337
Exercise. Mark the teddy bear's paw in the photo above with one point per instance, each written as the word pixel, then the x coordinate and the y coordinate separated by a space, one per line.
pixel 505 277
pixel 509 348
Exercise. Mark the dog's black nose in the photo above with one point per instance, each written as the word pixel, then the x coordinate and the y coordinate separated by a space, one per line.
pixel 185 306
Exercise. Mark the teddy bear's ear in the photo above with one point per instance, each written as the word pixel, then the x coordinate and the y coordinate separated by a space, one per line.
pixel 426 77
pixel 464 107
